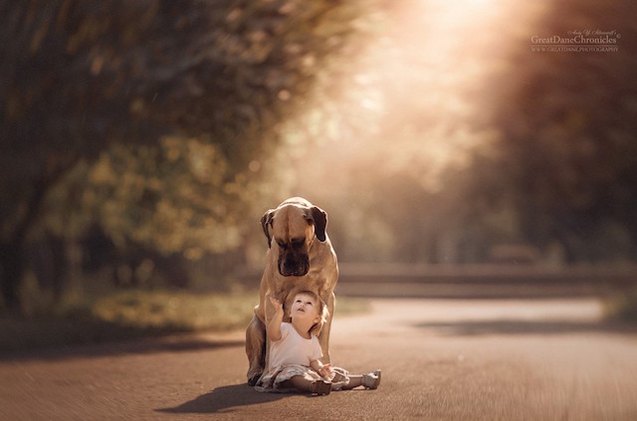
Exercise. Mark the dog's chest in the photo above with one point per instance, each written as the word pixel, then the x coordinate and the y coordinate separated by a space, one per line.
pixel 317 281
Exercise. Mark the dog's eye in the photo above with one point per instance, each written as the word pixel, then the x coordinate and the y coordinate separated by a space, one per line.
pixel 281 244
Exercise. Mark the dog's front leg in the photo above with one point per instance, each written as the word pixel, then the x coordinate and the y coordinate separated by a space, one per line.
pixel 255 349
pixel 324 336
pixel 269 312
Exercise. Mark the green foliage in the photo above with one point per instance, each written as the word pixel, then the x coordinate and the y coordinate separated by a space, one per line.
pixel 126 315
pixel 155 118
pixel 178 311
pixel 623 307
pixel 123 315
pixel 79 77
pixel 176 198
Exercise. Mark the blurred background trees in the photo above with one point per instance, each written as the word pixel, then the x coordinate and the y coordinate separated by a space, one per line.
pixel 120 115
pixel 567 151
pixel 139 139
pixel 478 149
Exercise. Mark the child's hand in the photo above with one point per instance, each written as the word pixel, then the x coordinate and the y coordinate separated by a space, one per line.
pixel 278 307
pixel 326 371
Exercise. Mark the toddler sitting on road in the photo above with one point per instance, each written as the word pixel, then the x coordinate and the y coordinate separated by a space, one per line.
pixel 294 361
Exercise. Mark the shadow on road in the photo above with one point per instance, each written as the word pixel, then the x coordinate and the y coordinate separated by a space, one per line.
pixel 223 399
pixel 523 327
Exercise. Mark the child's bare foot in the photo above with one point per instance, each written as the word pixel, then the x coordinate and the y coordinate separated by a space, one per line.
pixel 371 380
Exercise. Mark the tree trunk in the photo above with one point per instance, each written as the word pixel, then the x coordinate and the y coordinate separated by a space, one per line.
pixel 60 266
pixel 12 251
pixel 11 271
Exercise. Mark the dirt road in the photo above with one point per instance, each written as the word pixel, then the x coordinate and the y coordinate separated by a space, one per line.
pixel 447 359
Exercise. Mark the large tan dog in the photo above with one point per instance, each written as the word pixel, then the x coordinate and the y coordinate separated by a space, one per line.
pixel 300 257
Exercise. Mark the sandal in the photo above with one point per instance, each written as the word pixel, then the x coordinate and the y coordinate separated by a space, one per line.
pixel 371 380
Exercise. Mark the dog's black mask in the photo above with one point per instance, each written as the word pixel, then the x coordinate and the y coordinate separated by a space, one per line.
pixel 293 258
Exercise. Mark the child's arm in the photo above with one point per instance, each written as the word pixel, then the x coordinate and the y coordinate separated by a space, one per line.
pixel 324 370
pixel 274 326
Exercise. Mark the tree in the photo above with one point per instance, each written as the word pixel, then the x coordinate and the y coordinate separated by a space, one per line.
pixel 79 77
pixel 567 150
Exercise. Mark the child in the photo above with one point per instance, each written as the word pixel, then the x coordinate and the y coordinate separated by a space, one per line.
pixel 295 352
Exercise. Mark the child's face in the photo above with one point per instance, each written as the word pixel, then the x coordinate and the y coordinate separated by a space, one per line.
pixel 305 307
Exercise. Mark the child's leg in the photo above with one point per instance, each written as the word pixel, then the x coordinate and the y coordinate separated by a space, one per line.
pixel 355 380
pixel 304 385
pixel 301 383
pixel 370 380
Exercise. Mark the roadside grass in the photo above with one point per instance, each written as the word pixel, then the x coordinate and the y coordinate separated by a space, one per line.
pixel 128 314
pixel 622 308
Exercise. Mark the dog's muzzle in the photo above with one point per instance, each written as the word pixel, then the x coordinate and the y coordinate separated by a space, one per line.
pixel 291 264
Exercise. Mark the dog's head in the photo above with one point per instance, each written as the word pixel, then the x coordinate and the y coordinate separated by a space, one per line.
pixel 291 229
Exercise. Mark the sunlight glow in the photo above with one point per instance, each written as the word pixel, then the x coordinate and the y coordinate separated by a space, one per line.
pixel 417 92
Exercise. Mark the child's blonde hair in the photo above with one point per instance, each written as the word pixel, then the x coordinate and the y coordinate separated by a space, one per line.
pixel 323 311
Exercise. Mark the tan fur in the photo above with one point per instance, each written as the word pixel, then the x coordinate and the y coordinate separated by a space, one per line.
pixel 287 222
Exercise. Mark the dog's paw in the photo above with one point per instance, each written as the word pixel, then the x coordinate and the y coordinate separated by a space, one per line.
pixel 252 381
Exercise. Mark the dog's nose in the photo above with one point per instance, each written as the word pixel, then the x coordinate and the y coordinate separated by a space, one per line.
pixel 289 267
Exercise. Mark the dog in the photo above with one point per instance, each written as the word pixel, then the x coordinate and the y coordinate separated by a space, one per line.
pixel 300 257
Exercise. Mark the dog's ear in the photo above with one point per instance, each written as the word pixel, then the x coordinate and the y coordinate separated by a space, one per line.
pixel 319 216
pixel 266 221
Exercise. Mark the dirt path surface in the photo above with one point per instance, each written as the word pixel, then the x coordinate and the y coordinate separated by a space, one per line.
pixel 447 359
